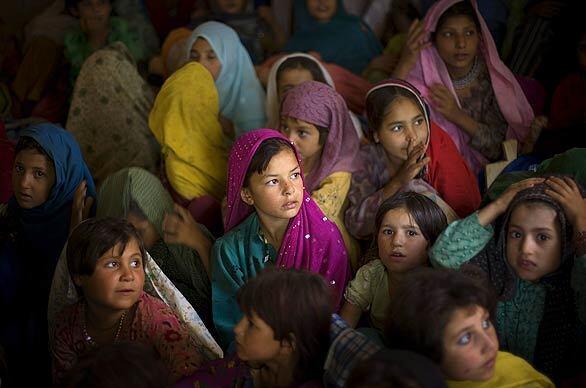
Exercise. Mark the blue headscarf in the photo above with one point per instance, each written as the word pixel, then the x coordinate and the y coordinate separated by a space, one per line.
pixel 344 40
pixel 241 95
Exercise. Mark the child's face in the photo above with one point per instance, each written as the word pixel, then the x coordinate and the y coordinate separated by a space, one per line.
pixel 94 14
pixel 470 345
pixel 290 78
pixel 147 231
pixel 231 7
pixel 304 135
pixel 202 52
pixel 118 278
pixel 401 245
pixel 255 340
pixel 277 192
pixel 534 241
pixel 322 10
pixel 404 125
pixel 457 43
pixel 33 178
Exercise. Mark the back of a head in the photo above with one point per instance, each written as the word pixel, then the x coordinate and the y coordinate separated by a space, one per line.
pixel 431 295
pixel 119 365
pixel 298 306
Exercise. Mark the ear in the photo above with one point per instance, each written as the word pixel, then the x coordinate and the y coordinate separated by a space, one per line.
pixel 289 344
pixel 78 280
pixel 246 196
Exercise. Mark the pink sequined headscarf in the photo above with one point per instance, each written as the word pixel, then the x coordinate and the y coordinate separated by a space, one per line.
pixel 431 69
pixel 311 242
pixel 319 104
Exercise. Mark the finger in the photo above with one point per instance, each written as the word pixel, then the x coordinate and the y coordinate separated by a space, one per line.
pixel 571 184
pixel 558 185
pixel 412 27
pixel 556 196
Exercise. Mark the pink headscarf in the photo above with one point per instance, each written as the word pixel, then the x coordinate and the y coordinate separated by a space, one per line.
pixel 431 69
pixel 319 104
pixel 311 242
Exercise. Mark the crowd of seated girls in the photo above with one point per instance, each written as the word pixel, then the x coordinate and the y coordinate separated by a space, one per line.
pixel 292 194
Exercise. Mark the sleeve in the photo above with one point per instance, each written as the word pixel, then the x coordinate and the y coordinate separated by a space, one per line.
pixel 450 175
pixel 579 285
pixel 227 278
pixel 460 242
pixel 331 193
pixel 360 291
pixel 173 342
pixel 64 356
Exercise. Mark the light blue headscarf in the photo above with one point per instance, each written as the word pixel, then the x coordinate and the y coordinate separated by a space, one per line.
pixel 242 97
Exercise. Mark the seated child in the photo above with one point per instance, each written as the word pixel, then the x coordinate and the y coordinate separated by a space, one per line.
pixel 270 220
pixel 105 260
pixel 406 225
pixel 282 339
pixel 447 317
pixel 536 262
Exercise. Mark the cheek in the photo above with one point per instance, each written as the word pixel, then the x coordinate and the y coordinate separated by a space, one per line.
pixel 459 363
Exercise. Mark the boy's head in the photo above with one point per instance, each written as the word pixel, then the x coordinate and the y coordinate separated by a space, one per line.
pixel 105 259
pixel 286 314
pixel 33 174
pixel 461 340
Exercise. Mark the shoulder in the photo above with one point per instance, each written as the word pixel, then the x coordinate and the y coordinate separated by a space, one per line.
pixel 236 237
pixel 372 270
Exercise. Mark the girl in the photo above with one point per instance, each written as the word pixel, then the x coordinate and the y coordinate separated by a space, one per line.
pixel 270 219
pixel 110 95
pixel 218 48
pixel 325 27
pixel 52 188
pixel 406 226
pixel 294 69
pixel 452 59
pixel 185 121
pixel 462 339
pixel 179 245
pixel 315 119
pixel 410 152
pixel 537 264
pixel 282 339
pixel 105 260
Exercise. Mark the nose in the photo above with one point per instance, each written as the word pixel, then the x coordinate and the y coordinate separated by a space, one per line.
pixel 25 181
pixel 410 134
pixel 288 188
pixel 127 274
pixel 397 239
pixel 239 327
pixel 460 41
pixel 489 342
pixel 527 245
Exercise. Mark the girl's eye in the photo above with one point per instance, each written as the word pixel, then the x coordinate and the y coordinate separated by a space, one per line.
pixel 543 237
pixel 211 57
pixel 194 56
pixel 412 233
pixel 514 234
pixel 447 34
pixel 388 232
pixel 273 182
pixel 250 324
pixel 39 174
pixel 418 122
pixel 112 264
pixel 302 133
pixel 396 128
pixel 295 175
pixel 284 128
pixel 470 33
pixel 486 324
pixel 137 263
pixel 18 169
pixel 465 339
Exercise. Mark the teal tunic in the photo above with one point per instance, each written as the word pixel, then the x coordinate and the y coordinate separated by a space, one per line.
pixel 517 319
pixel 236 257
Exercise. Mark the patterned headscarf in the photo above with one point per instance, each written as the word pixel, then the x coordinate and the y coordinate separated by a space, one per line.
pixel 319 104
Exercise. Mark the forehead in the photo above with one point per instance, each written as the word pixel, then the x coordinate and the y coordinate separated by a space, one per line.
pixel 282 163
pixel 398 216
pixel 534 214
pixel 296 74
pixel 131 248
pixel 298 122
pixel 402 108
pixel 457 22
pixel 463 317
pixel 201 44
pixel 32 158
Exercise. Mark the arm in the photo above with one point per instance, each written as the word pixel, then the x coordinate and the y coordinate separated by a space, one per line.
pixel 331 193
pixel 360 292
pixel 351 314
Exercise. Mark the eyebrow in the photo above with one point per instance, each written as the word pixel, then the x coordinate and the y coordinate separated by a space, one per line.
pixel 270 175
pixel 534 229
pixel 402 226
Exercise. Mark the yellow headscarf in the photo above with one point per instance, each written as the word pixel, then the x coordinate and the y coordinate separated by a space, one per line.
pixel 185 122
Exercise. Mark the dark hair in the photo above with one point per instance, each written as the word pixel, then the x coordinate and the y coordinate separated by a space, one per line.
pixel 426 213
pixel 379 102
pixel 28 143
pixel 302 63
pixel 263 155
pixel 94 237
pixel 428 295
pixel 463 8
pixel 119 365
pixel 298 306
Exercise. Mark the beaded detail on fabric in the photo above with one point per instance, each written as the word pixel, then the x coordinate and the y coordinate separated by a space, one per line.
pixel 461 83
pixel 91 341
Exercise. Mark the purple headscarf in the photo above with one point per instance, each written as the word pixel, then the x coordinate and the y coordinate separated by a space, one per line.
pixel 311 242
pixel 319 104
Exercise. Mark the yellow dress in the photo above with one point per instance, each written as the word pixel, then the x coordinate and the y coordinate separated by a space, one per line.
pixel 510 372
pixel 332 198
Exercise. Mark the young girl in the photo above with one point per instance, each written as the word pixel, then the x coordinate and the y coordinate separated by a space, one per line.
pixel 406 225
pixel 536 262
pixel 270 220
pixel 409 152
pixel 282 339
pixel 315 119
pixel 452 59
pixel 185 121
pixel 325 27
pixel 447 317
pixel 52 188
pixel 105 260
pixel 218 48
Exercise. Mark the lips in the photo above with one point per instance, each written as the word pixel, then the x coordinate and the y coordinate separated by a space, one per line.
pixel 490 363
pixel 126 291
pixel 527 265
pixel 290 205
pixel 25 197
pixel 397 256
pixel 461 57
